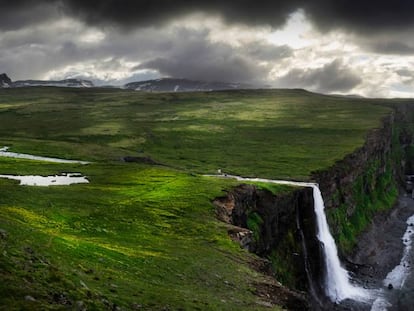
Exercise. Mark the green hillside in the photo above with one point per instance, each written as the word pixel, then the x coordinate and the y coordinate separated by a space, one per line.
pixel 145 236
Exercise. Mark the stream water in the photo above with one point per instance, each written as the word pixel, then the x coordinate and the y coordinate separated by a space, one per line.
pixel 5 153
pixel 397 292
pixel 55 180
pixel 37 180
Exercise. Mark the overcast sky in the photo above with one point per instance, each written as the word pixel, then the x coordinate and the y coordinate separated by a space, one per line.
pixel 330 46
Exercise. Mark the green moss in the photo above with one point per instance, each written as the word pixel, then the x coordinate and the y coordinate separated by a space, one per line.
pixel 283 261
pixel 371 193
pixel 254 223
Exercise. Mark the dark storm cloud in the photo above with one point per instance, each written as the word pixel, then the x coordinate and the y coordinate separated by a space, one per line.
pixel 195 57
pixel 399 45
pixel 361 16
pixel 368 16
pixel 16 14
pixel 333 77
pixel 130 13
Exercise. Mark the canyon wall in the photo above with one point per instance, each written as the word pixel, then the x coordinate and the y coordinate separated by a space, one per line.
pixel 282 228
pixel 367 181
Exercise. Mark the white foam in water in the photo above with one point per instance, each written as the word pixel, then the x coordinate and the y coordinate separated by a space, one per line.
pixel 8 154
pixel 380 304
pixel 337 282
pixel 56 180
pixel 338 286
pixel 400 273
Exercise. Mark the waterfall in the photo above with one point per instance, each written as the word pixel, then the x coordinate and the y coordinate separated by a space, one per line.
pixel 337 282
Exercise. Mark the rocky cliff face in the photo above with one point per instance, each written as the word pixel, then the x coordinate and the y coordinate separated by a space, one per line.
pixel 367 181
pixel 335 183
pixel 283 227
pixel 5 81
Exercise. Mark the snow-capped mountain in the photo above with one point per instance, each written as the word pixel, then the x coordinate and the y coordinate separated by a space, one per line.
pixel 60 83
pixel 157 85
pixel 183 85
pixel 5 81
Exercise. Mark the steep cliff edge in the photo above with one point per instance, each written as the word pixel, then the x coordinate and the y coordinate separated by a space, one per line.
pixel 274 227
pixel 366 182
pixel 281 227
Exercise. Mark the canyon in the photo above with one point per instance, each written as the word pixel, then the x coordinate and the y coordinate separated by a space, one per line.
pixel 357 189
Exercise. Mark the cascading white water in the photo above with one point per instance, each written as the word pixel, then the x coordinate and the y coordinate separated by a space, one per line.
pixel 337 282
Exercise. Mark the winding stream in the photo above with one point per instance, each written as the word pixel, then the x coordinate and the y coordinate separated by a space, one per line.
pixel 5 153
pixel 37 180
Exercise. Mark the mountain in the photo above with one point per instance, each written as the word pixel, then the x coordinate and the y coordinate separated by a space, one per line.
pixel 5 81
pixel 183 85
pixel 60 83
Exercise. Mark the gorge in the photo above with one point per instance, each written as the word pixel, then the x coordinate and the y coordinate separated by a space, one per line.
pixel 282 228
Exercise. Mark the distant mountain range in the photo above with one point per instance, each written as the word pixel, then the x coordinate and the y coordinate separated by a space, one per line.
pixel 60 83
pixel 183 85
pixel 6 82
pixel 157 85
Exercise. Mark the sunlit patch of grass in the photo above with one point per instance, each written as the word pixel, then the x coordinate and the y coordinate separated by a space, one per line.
pixel 107 128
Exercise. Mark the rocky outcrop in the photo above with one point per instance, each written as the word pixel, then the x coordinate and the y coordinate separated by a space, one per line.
pixel 281 228
pixel 5 81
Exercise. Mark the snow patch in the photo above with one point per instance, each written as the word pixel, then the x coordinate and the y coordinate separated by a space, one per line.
pixel 400 273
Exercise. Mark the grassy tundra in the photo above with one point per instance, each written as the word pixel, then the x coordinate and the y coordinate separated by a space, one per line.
pixel 145 236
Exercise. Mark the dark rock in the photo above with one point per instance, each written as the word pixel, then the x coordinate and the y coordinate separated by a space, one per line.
pixel 5 81
pixel 278 227
pixel 241 235
pixel 61 298
pixel 3 234
pixel 390 286
pixel 144 160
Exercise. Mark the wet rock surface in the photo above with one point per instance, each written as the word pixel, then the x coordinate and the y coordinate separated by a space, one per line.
pixel 379 250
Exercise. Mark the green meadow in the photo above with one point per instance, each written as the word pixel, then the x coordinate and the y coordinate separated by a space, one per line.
pixel 142 236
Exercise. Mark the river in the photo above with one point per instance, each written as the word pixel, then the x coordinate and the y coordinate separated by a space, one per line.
pixel 384 256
